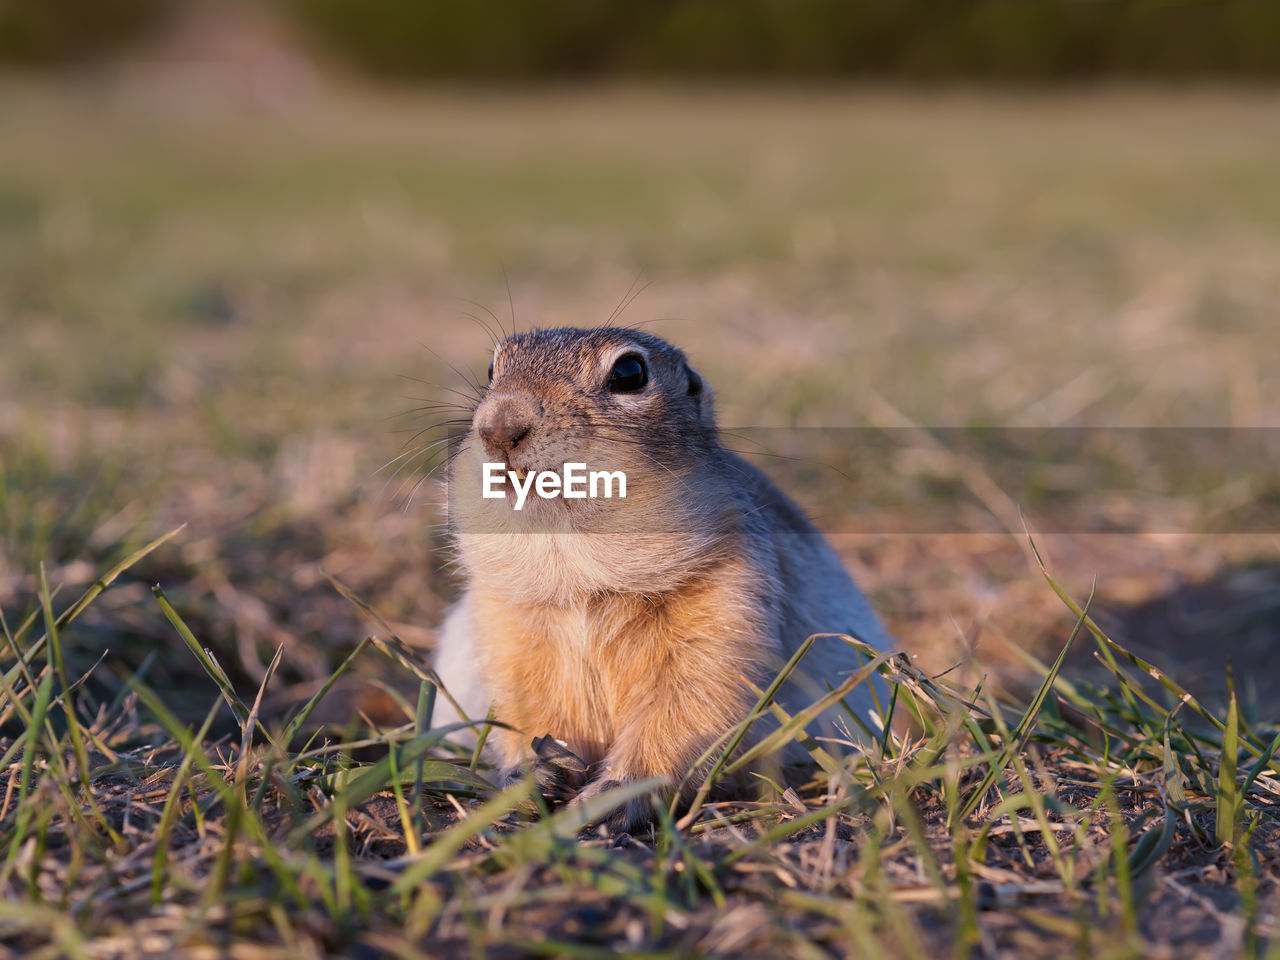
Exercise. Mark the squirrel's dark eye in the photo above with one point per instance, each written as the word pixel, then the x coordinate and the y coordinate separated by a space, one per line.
pixel 491 372
pixel 628 375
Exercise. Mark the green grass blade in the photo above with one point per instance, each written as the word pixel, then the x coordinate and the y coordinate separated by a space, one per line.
pixel 742 729
pixel 443 848
pixel 1227 800
pixel 1025 725
pixel 1154 843
pixel 39 708
pixel 1261 765
pixel 169 815
pixel 203 657
pixel 102 583
pixel 300 718
pixel 785 733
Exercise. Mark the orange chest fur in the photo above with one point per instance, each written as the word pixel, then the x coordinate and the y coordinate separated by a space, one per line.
pixel 564 670
pixel 582 673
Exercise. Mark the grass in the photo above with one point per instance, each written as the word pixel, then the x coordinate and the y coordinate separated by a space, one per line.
pixel 211 316
pixel 1080 821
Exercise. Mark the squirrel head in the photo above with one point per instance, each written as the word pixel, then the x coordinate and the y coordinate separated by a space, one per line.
pixel 554 392
pixel 614 400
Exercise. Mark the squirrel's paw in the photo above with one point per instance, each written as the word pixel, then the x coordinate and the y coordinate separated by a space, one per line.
pixel 635 815
pixel 559 770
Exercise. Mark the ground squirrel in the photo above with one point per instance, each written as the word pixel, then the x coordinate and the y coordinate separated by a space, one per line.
pixel 626 627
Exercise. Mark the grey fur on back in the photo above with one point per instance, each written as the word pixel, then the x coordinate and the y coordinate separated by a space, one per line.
pixel 813 594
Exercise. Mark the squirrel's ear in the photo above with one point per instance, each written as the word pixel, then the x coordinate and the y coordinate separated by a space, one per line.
pixel 695 381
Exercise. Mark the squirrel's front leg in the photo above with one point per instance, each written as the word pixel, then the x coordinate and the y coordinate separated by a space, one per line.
pixel 668 722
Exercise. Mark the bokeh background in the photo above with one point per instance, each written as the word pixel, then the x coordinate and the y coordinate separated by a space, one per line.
pixel 241 244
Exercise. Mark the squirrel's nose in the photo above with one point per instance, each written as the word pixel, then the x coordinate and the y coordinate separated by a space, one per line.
pixel 504 420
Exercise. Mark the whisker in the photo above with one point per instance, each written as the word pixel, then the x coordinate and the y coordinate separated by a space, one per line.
pixel 480 306
pixel 434 426
pixel 452 423
pixel 407 458
pixel 471 400
pixel 471 381
pixel 412 417
pixel 428 404
pixel 625 301
pixel 413 454
pixel 511 303
pixel 493 337
pixel 427 476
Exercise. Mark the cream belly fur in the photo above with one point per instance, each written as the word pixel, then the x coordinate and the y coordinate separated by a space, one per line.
pixel 629 629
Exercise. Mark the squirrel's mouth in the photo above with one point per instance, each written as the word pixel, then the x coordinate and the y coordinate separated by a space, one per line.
pixel 508 467
pixel 520 473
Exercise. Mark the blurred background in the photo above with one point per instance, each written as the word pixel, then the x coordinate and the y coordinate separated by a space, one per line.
pixel 241 244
